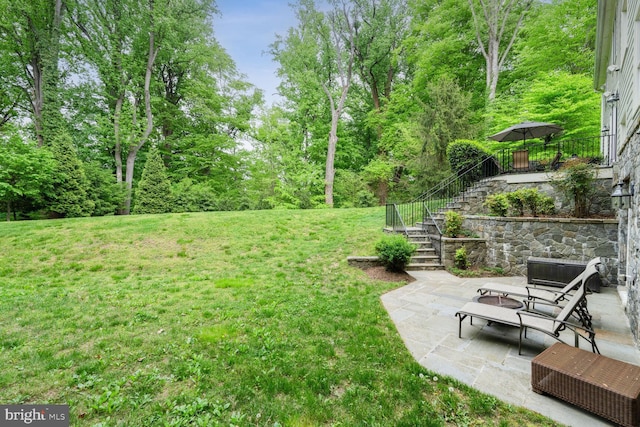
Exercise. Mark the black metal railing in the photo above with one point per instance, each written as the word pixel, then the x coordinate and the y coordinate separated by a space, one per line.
pixel 403 215
pixel 539 156
pixel 529 157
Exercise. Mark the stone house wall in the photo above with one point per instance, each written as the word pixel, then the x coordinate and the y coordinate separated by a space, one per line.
pixel 627 170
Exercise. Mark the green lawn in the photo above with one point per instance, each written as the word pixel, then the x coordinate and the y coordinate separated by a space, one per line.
pixel 235 318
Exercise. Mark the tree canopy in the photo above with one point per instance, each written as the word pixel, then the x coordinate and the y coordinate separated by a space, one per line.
pixel 371 95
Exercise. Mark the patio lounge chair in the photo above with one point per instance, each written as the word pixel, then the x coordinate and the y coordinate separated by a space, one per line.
pixel 524 319
pixel 533 293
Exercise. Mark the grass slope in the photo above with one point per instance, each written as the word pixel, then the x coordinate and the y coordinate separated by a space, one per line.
pixel 250 318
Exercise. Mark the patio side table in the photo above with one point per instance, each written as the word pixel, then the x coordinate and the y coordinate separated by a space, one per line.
pixel 606 387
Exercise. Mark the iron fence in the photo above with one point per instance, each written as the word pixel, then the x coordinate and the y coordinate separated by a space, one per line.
pixel 530 157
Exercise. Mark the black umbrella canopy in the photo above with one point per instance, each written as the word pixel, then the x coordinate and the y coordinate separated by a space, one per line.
pixel 525 130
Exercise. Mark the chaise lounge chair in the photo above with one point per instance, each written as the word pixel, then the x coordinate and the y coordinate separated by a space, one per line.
pixel 524 319
pixel 533 293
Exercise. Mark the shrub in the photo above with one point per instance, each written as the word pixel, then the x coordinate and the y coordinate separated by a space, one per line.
pixel 577 184
pixel 153 195
pixel 452 223
pixel 395 252
pixel 525 198
pixel 460 259
pixel 536 202
pixel 463 155
pixel 516 202
pixel 497 204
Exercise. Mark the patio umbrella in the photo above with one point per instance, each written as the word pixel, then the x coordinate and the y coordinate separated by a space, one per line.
pixel 526 130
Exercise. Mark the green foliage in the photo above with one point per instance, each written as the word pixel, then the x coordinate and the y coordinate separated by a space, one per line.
pixel 498 204
pixel 528 199
pixel 351 191
pixel 69 195
pixel 555 97
pixel 443 43
pixel 25 172
pixel 464 155
pixel 560 38
pixel 576 180
pixel 453 223
pixel 395 252
pixel 103 190
pixel 153 195
pixel 516 202
pixel 460 259
pixel 446 117
pixel 536 203
pixel 192 197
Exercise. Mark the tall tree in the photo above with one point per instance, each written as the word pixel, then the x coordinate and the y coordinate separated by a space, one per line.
pixel 381 27
pixel 446 118
pixel 561 37
pixel 497 24
pixel 31 32
pixel 323 49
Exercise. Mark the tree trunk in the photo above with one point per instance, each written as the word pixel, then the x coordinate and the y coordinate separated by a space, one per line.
pixel 493 69
pixel 495 14
pixel 37 99
pixel 345 72
pixel 133 151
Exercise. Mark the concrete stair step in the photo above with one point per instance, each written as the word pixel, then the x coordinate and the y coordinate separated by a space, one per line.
pixel 424 267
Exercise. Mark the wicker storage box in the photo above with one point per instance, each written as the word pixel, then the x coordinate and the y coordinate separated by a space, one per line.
pixel 557 272
pixel 607 387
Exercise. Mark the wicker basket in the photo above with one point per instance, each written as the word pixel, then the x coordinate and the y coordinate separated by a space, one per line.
pixel 607 387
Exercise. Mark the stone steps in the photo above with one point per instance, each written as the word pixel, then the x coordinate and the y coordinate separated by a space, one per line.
pixel 425 257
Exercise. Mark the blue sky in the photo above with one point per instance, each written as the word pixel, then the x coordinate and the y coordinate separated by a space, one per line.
pixel 246 28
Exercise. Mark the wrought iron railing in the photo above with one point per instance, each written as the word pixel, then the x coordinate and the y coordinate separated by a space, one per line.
pixel 533 157
pixel 530 157
pixel 403 215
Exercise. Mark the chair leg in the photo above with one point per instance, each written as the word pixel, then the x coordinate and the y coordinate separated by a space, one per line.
pixel 520 341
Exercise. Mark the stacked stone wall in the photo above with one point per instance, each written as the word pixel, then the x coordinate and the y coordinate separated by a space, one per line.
pixel 600 202
pixel 510 241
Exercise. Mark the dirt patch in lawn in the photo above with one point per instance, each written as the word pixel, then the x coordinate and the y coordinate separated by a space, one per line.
pixel 381 273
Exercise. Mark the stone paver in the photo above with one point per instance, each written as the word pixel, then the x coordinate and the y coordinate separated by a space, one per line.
pixel 486 357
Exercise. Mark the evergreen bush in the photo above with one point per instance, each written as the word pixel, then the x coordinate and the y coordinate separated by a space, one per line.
pixel 69 196
pixel 464 155
pixel 395 252
pixel 153 194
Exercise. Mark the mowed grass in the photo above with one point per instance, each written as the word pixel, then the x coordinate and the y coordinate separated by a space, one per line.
pixel 237 318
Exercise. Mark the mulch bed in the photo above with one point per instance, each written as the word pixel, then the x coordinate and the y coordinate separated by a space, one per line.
pixel 381 273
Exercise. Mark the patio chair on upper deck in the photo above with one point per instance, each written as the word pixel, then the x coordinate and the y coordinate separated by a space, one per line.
pixel 521 160
pixel 555 163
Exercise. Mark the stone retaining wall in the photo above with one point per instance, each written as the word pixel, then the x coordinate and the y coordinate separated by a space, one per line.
pixel 600 203
pixel 476 250
pixel 510 241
